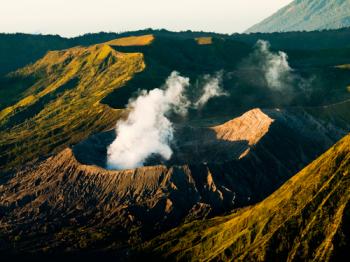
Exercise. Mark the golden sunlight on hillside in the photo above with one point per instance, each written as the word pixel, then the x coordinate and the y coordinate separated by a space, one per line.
pixel 132 41
pixel 204 40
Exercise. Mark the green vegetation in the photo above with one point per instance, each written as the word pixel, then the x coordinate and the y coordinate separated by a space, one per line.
pixel 72 93
pixel 63 106
pixel 306 219
pixel 18 50
pixel 55 102
pixel 82 238
pixel 246 86
pixel 167 54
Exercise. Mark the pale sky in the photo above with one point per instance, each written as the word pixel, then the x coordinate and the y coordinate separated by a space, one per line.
pixel 75 17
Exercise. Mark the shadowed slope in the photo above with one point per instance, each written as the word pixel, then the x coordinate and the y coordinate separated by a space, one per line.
pixel 336 113
pixel 57 102
pixel 305 219
pixel 62 205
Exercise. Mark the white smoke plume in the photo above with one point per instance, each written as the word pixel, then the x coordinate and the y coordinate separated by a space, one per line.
pixel 275 65
pixel 265 68
pixel 212 88
pixel 147 130
pixel 276 68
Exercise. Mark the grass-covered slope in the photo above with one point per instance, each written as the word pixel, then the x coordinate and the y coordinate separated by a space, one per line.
pixel 62 98
pixel 62 106
pixel 246 86
pixel 306 219
pixel 18 50
pixel 186 56
pixel 307 15
pixel 132 41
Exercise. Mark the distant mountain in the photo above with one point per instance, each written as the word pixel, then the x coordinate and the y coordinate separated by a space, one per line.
pixel 307 219
pixel 307 15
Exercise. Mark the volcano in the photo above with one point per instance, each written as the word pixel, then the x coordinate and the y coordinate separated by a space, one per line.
pixel 213 170
pixel 58 198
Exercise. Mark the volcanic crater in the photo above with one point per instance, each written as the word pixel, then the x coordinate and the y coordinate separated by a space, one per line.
pixel 191 144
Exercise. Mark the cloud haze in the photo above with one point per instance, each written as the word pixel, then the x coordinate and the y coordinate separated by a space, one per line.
pixel 70 18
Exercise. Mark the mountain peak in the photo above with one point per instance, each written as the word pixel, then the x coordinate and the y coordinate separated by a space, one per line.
pixel 307 15
pixel 251 127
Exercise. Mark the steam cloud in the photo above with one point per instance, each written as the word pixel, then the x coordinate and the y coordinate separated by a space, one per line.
pixel 275 65
pixel 211 89
pixel 268 69
pixel 148 130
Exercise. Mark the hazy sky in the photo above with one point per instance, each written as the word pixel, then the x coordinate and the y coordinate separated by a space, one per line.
pixel 74 17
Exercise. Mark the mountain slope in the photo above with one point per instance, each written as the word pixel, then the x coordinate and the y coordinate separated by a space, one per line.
pixel 132 41
pixel 307 15
pixel 337 113
pixel 56 101
pixel 57 127
pixel 63 105
pixel 63 205
pixel 306 219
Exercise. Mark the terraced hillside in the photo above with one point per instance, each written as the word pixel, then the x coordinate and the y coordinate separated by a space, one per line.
pixel 306 219
pixel 63 106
